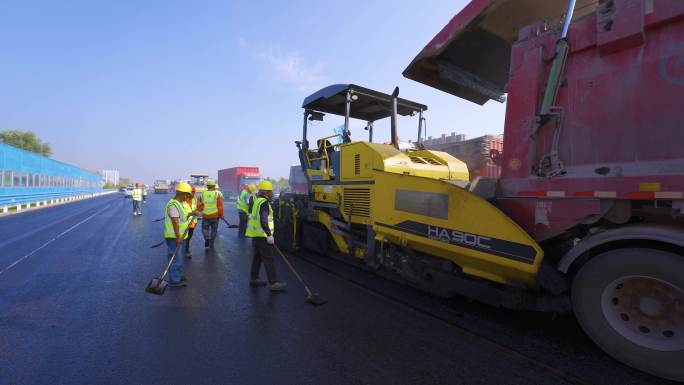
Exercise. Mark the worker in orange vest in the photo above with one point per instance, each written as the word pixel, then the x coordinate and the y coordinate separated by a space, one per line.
pixel 211 205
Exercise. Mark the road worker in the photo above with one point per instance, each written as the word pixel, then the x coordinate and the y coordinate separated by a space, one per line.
pixel 144 194
pixel 261 229
pixel 242 204
pixel 211 203
pixel 252 196
pixel 137 198
pixel 192 205
pixel 176 222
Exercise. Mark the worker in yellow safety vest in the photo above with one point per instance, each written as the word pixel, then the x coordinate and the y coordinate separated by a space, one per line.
pixel 192 205
pixel 177 218
pixel 211 205
pixel 261 229
pixel 252 196
pixel 144 193
pixel 137 199
pixel 242 204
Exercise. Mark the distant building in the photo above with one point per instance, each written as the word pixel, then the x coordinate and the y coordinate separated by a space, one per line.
pixel 453 138
pixel 110 176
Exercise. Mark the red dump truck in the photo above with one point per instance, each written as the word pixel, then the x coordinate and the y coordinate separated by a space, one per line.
pixel 593 155
pixel 230 180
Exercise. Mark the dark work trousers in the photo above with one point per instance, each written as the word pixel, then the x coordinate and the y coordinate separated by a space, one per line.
pixel 243 224
pixel 262 253
pixel 136 206
pixel 187 240
pixel 209 229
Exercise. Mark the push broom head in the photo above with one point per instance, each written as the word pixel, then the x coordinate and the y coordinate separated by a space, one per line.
pixel 315 300
pixel 156 286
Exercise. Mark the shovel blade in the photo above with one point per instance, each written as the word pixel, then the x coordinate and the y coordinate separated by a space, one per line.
pixel 315 300
pixel 156 286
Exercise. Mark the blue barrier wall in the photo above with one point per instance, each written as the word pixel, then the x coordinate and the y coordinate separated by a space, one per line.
pixel 26 176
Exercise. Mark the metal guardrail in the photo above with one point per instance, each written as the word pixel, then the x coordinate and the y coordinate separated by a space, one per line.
pixel 23 201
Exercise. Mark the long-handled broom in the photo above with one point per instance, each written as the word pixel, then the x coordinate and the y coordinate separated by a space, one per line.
pixel 228 224
pixel 164 240
pixel 311 297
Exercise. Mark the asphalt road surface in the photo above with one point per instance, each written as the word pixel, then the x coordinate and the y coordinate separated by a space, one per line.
pixel 73 310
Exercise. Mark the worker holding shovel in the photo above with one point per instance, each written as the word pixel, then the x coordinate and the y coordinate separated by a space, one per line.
pixel 261 229
pixel 177 218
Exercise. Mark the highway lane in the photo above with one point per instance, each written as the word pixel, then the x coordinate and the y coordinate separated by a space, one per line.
pixel 75 312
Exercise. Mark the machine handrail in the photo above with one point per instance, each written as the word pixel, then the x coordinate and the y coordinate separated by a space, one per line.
pixel 325 148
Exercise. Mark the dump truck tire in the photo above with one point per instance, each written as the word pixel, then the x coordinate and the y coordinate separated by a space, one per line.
pixel 631 303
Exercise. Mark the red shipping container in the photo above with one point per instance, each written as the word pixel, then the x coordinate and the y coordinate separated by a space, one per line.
pixel 231 179
pixel 492 168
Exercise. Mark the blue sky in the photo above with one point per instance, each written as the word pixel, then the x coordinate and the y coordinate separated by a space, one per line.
pixel 160 88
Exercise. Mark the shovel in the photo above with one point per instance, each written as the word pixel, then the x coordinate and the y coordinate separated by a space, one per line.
pixel 228 224
pixel 311 297
pixel 158 285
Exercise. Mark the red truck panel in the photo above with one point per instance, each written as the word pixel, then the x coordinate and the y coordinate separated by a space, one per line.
pixel 621 96
pixel 229 178
pixel 622 130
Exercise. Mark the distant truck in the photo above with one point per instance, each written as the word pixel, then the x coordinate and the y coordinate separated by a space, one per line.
pixel 199 181
pixel 297 180
pixel 231 179
pixel 161 186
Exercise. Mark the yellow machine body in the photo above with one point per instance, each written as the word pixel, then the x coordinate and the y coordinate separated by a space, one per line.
pixel 417 200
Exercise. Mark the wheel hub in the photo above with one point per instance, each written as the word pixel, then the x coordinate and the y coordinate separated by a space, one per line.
pixel 647 311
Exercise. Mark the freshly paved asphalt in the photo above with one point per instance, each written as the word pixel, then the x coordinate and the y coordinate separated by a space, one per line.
pixel 73 311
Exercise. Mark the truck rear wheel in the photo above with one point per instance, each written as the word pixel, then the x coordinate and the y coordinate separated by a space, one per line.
pixel 631 303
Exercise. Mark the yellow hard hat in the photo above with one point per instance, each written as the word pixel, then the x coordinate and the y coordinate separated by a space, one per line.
pixel 252 187
pixel 184 187
pixel 265 185
pixel 210 182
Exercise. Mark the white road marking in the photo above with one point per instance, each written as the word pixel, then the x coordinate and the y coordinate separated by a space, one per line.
pixel 52 240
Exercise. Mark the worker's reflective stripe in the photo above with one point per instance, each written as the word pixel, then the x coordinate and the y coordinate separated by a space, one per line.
pixel 182 220
pixel 254 229
pixel 605 194
pixel 209 199
pixel 242 202
pixel 137 194
pixel 191 207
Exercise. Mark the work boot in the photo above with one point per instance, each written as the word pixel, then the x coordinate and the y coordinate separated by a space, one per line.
pixel 257 282
pixel 181 283
pixel 278 286
pixel 211 243
pixel 206 243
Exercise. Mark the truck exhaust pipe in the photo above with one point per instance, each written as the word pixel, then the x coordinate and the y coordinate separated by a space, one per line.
pixel 393 122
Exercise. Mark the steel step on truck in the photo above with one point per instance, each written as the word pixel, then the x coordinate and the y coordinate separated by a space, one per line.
pixel 587 215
